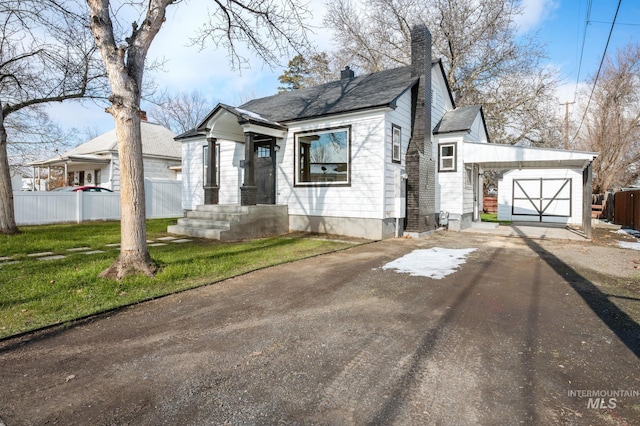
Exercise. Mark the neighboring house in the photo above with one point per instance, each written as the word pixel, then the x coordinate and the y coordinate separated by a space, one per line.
pixel 96 162
pixel 359 156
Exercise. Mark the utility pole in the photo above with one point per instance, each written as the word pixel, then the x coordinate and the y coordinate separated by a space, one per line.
pixel 566 123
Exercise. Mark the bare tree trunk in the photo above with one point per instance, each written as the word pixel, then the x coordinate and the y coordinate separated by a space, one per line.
pixel 7 217
pixel 134 256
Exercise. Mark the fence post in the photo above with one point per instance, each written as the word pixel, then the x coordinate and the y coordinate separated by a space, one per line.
pixel 79 202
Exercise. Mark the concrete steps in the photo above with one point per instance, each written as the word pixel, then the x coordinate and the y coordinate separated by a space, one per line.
pixel 230 222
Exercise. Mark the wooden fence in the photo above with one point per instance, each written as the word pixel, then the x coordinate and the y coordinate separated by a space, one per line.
pixel 490 204
pixel 626 211
pixel 163 200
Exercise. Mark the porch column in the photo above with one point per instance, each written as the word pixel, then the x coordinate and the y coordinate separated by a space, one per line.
pixel 211 187
pixel 248 191
pixel 587 190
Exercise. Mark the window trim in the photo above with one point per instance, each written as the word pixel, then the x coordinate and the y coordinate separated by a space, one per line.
pixel 468 176
pixel 296 157
pixel 454 168
pixel 395 143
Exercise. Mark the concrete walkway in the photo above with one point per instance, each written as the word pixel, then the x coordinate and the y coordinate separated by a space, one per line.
pixel 528 230
pixel 49 255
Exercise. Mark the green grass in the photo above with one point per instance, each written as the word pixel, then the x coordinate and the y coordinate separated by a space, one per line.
pixel 36 293
pixel 493 217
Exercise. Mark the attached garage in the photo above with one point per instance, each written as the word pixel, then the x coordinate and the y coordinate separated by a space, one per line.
pixel 538 184
pixel 541 195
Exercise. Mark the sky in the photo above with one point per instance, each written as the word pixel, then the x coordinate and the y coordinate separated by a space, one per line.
pixel 560 24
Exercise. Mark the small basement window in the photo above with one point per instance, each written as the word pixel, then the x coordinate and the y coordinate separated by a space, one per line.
pixel 447 157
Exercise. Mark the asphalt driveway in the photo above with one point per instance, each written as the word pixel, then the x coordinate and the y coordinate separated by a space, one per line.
pixel 516 336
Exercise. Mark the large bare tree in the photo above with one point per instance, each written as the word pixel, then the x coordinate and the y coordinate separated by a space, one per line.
pixel 487 62
pixel 46 55
pixel 268 28
pixel 180 112
pixel 611 124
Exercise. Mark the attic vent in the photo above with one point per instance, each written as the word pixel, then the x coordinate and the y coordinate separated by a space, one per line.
pixel 347 73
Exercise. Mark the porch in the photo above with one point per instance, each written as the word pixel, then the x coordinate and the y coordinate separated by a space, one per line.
pixel 232 222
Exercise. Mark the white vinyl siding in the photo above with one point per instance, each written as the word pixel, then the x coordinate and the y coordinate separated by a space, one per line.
pixel 477 133
pixel 400 117
pixel 450 185
pixel 363 198
pixel 440 101
pixel 192 173
pixel 231 175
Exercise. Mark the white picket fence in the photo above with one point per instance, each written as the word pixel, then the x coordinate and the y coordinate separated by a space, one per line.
pixel 163 200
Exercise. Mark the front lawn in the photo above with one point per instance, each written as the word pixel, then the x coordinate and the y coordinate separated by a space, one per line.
pixel 35 293
pixel 493 217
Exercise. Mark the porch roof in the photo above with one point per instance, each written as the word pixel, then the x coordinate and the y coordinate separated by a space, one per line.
pixel 498 156
pixel 228 122
pixel 72 159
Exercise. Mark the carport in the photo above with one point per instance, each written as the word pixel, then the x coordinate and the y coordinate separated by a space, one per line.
pixel 542 198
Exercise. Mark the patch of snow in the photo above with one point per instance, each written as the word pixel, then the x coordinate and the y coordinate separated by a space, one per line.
pixel 627 245
pixel 434 263
pixel 631 232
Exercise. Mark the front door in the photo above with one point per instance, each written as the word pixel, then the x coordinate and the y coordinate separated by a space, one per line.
pixel 265 171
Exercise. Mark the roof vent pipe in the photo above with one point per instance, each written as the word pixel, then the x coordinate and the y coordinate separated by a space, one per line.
pixel 347 73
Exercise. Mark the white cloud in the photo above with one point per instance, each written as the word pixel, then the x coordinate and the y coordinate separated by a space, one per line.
pixel 534 13
pixel 187 68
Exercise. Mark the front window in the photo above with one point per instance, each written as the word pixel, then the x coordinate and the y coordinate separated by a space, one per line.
pixel 447 157
pixel 323 157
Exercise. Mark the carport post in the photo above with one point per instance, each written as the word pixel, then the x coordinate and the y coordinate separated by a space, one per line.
pixel 587 190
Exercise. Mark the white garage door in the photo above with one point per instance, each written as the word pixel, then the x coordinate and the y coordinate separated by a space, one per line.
pixel 541 200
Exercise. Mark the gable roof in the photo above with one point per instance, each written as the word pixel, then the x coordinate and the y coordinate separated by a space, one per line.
pixel 458 120
pixel 243 116
pixel 369 91
pixel 157 141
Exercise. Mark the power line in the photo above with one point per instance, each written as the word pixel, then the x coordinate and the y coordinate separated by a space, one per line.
pixel 595 82
pixel 584 38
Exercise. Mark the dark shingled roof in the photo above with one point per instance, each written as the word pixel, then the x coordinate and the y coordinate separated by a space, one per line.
pixel 189 134
pixel 459 120
pixel 354 94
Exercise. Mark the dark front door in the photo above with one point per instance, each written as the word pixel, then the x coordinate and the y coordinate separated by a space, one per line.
pixel 265 171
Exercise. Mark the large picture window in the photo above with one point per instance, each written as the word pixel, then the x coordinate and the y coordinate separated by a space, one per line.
pixel 447 157
pixel 323 157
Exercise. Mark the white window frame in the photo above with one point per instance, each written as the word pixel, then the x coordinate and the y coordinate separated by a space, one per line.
pixel 453 158
pixel 468 176
pixel 396 143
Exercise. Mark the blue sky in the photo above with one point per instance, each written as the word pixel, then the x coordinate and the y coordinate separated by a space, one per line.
pixel 560 24
pixel 563 25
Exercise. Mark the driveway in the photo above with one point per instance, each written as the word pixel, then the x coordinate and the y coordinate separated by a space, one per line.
pixel 515 336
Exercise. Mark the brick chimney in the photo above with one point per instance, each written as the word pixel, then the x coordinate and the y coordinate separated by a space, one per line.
pixel 143 115
pixel 347 73
pixel 421 214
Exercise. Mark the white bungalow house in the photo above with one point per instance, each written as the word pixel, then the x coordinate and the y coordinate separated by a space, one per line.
pixel 360 156
pixel 96 161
